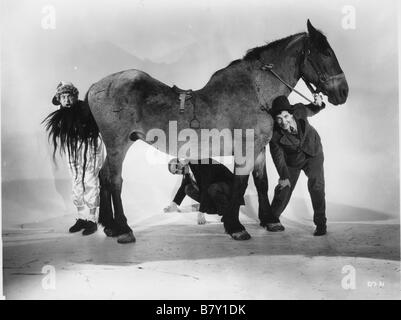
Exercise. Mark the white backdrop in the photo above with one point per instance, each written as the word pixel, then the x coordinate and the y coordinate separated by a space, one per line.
pixel 183 43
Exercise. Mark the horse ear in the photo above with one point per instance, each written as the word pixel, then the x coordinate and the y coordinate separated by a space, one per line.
pixel 311 29
pixel 316 36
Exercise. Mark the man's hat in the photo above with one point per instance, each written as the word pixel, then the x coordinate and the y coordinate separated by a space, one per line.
pixel 64 87
pixel 280 104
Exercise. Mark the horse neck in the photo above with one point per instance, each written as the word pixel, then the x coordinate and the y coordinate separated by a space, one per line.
pixel 286 58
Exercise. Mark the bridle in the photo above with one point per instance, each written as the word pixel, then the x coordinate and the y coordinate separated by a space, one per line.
pixel 323 78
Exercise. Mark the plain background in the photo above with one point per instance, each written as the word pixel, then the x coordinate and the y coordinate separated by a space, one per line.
pixel 183 43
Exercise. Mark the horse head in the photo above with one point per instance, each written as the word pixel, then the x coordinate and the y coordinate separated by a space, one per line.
pixel 321 68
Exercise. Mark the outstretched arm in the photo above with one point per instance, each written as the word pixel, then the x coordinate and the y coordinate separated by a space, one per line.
pixel 278 157
pixel 316 107
pixel 281 166
pixel 179 197
pixel 309 110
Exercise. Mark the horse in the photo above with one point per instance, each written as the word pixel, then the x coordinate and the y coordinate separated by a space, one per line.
pixel 129 104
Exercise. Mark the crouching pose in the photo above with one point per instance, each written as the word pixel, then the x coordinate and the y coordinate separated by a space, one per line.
pixel 74 132
pixel 296 146
pixel 207 182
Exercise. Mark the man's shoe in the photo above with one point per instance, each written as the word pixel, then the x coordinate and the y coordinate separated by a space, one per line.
pixel 90 228
pixel 78 226
pixel 320 230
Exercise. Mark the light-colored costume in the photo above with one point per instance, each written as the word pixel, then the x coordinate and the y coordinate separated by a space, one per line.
pixel 85 195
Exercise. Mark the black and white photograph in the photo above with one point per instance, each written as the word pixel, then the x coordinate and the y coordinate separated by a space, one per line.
pixel 200 150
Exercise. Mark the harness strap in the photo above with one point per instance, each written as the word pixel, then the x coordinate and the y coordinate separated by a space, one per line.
pixel 183 97
pixel 269 67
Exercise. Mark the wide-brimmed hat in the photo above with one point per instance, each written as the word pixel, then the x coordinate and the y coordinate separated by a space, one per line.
pixel 64 87
pixel 280 104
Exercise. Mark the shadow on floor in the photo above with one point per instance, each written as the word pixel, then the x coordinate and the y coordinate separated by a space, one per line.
pixel 193 242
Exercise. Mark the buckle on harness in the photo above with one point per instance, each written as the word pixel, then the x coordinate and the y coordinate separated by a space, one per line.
pixel 183 97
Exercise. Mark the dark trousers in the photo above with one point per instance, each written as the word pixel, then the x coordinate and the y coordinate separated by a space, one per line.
pixel 218 192
pixel 313 168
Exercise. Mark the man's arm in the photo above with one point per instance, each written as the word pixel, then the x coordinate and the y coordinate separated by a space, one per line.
pixel 312 109
pixel 278 157
pixel 309 110
pixel 179 197
pixel 203 184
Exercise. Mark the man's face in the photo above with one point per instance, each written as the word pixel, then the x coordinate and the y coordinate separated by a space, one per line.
pixel 285 120
pixel 67 100
pixel 178 168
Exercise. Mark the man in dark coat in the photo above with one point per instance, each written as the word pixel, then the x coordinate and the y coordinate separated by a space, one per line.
pixel 296 146
pixel 205 181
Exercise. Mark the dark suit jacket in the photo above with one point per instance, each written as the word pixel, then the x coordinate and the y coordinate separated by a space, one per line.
pixel 205 174
pixel 289 150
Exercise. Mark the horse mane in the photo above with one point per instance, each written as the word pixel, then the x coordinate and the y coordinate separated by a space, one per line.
pixel 254 54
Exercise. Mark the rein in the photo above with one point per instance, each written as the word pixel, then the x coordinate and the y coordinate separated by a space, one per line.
pixel 269 67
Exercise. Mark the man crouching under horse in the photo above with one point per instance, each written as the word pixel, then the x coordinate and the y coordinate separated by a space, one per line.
pixel 207 182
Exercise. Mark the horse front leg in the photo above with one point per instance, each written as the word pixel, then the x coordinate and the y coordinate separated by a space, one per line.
pixel 242 168
pixel 232 225
pixel 254 146
pixel 260 179
pixel 120 227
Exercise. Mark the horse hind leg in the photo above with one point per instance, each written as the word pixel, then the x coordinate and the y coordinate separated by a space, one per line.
pixel 123 231
pixel 105 209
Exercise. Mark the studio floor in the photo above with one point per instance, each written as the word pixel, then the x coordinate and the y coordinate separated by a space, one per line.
pixel 174 258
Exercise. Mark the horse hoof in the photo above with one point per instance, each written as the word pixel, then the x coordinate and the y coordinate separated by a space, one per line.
pixel 126 238
pixel 201 218
pixel 241 235
pixel 274 227
pixel 109 232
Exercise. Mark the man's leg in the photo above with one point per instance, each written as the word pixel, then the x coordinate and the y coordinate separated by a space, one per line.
pixel 315 173
pixel 283 196
pixel 77 198
pixel 220 192
pixel 92 188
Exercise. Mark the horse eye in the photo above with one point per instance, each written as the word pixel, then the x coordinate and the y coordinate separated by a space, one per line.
pixel 327 53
